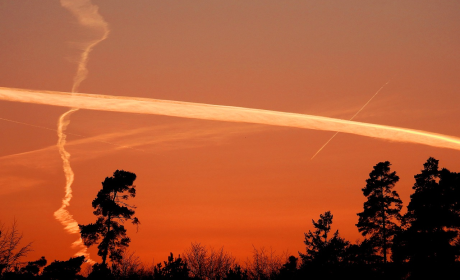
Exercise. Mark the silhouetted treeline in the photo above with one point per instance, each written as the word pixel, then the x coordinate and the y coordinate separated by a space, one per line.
pixel 422 243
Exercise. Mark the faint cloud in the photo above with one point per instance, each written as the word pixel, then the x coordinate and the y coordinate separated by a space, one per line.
pixel 46 161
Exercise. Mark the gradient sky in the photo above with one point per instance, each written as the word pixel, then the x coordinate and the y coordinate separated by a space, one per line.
pixel 223 184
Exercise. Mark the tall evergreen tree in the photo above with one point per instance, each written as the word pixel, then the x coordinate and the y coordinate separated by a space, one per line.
pixel 378 221
pixel 111 211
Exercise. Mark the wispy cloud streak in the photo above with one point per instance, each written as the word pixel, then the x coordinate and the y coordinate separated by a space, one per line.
pixel 229 114
pixel 41 163
pixel 68 133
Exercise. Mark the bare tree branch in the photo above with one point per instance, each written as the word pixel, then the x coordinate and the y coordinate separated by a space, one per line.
pixel 10 250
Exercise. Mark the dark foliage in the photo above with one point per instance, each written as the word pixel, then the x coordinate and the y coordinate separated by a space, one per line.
pixel 69 269
pixel 101 272
pixel 237 273
pixel 174 268
pixel 33 268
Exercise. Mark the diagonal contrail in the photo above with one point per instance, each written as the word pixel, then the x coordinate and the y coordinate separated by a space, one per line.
pixel 350 119
pixel 229 114
pixel 87 15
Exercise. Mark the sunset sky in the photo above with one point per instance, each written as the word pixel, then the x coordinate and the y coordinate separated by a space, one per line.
pixel 225 184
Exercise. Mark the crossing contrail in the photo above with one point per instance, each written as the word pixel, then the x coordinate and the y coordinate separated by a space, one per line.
pixel 350 119
pixel 227 113
pixel 88 16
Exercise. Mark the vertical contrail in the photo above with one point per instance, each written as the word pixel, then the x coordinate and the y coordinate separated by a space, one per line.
pixel 66 219
pixel 87 15
pixel 351 119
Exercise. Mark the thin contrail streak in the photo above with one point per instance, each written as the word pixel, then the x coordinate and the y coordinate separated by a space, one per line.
pixel 330 139
pixel 74 134
pixel 227 113
pixel 87 15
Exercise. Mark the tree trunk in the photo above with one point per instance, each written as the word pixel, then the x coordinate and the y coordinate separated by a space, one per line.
pixel 384 231
pixel 106 250
pixel 109 216
pixel 384 240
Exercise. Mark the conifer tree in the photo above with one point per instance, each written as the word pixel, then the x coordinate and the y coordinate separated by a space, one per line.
pixel 378 221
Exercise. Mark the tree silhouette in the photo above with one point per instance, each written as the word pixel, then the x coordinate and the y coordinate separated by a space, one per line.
pixel 431 222
pixel 382 208
pixel 174 268
pixel 324 254
pixel 320 249
pixel 111 211
pixel 315 241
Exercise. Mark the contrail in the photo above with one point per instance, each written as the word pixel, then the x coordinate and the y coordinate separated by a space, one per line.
pixel 350 119
pixel 227 113
pixel 87 15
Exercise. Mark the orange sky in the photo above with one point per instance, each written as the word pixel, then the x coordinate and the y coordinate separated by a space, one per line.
pixel 223 184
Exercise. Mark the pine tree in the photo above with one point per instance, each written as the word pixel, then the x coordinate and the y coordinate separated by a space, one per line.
pixel 111 211
pixel 378 221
